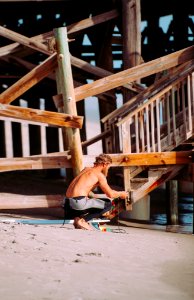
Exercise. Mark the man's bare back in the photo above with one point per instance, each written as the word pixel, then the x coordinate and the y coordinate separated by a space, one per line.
pixel 88 179
pixel 83 183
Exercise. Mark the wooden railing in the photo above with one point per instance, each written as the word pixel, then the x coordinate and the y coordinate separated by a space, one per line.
pixel 162 122
pixel 28 133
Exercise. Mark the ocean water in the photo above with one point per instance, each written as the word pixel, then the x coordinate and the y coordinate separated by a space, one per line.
pixel 185 214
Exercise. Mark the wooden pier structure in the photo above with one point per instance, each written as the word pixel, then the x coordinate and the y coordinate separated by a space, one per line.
pixel 149 137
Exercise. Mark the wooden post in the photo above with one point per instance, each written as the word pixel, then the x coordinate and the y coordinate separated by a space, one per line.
pixel 131 14
pixel 172 198
pixel 73 140
pixel 193 193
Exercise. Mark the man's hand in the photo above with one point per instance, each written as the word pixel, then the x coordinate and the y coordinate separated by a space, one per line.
pixel 123 195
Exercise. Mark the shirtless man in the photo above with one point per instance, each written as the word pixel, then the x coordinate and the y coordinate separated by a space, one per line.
pixel 81 202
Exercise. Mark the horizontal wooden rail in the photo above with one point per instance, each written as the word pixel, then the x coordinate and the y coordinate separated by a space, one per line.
pixel 37 115
pixel 142 128
pixel 29 80
pixel 58 160
pixel 135 73
pixel 7 201
pixel 152 90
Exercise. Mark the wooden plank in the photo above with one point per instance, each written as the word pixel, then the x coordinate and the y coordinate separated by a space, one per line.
pixel 49 117
pixel 29 80
pixel 100 72
pixel 89 22
pixel 25 139
pixel 71 29
pixel 147 116
pixel 22 62
pixel 158 124
pixel 96 138
pixel 17 37
pixel 60 160
pixel 154 158
pixel 8 138
pixel 135 73
pixel 7 201
pixel 155 181
pixel 189 99
pixel 39 162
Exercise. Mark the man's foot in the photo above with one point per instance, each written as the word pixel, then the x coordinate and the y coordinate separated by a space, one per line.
pixel 82 224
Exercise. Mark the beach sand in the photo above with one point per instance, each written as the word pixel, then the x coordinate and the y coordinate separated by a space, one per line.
pixel 59 262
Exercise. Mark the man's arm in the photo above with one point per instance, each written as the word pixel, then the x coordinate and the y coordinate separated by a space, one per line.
pixel 103 184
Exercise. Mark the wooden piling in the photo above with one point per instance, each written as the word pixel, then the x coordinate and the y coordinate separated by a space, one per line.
pixel 131 21
pixel 73 140
pixel 172 202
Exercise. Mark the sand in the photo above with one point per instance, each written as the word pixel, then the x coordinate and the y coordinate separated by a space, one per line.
pixel 60 262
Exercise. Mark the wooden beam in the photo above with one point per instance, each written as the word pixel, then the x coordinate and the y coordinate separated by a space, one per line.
pixel 153 158
pixel 146 159
pixel 7 201
pixel 97 138
pixel 60 160
pixel 14 36
pixel 24 63
pixel 38 162
pixel 132 74
pixel 71 29
pixel 100 72
pixel 89 22
pixel 29 80
pixel 151 90
pixel 48 117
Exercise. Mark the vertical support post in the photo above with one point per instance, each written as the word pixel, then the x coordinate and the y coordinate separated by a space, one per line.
pixel 131 13
pixel 172 209
pixel 72 135
pixel 193 194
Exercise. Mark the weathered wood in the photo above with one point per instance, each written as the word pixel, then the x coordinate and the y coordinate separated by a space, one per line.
pixel 8 138
pixel 131 17
pixel 62 160
pixel 131 21
pixel 14 36
pixel 172 202
pixel 100 72
pixel 38 162
pixel 29 80
pixel 22 62
pixel 148 92
pixel 154 158
pixel 89 22
pixel 7 201
pixel 96 138
pixel 132 74
pixel 72 29
pixel 49 117
pixel 58 99
pixel 156 178
pixel 67 90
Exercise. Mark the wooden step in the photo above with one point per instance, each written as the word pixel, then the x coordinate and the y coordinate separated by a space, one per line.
pixel 138 182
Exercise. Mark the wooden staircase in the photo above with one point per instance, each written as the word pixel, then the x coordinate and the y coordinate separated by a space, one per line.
pixel 157 120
